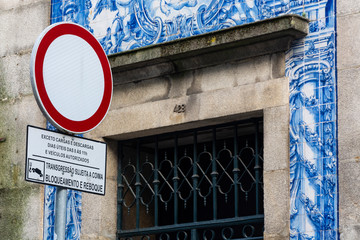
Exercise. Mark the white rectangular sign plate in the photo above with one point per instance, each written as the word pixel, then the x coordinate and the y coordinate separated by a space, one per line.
pixel 67 161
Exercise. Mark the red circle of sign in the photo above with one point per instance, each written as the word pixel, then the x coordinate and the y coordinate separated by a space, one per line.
pixel 57 118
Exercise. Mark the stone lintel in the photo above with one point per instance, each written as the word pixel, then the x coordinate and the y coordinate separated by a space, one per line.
pixel 231 44
pixel 202 109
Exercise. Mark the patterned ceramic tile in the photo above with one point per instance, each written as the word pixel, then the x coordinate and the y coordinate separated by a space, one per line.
pixel 121 25
pixel 73 210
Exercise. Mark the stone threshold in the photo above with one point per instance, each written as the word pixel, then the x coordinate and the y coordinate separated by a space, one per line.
pixel 209 49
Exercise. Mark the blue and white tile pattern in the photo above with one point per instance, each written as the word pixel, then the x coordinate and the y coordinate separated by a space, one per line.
pixel 73 210
pixel 121 25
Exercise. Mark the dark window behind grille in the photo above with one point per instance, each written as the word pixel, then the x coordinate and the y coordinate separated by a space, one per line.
pixel 201 184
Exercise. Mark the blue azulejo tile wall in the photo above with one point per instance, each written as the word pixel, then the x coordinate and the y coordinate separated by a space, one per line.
pixel 73 210
pixel 310 66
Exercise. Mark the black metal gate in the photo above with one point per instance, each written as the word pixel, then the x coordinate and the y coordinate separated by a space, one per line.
pixel 200 184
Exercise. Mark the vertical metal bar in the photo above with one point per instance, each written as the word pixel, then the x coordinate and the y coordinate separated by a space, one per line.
pixel 60 212
pixel 257 166
pixel 236 171
pixel 120 188
pixel 195 178
pixel 156 183
pixel 176 181
pixel 137 184
pixel 214 174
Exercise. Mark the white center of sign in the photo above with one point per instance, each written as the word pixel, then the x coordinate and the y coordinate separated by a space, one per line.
pixel 75 91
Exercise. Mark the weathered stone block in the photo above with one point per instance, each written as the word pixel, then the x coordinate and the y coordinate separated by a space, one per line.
pixel 15 76
pixel 349 193
pixel 17 115
pixel 348 45
pixel 33 216
pixel 108 221
pixel 222 103
pixel 16 217
pixel 21 26
pixel 275 237
pixel 7 5
pixel 141 92
pixel 277 65
pixel 257 69
pixel 276 138
pixel 183 84
pixel 277 204
pixel 99 214
pixel 112 160
pixel 232 74
pixel 347 7
pixel 243 99
pixel 214 78
pixel 348 112
pixel 350 232
pixel 90 230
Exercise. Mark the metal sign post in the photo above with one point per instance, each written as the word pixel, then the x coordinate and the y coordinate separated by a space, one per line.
pixel 72 84
pixel 60 213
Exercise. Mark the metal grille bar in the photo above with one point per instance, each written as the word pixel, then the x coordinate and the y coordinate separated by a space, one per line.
pixel 172 187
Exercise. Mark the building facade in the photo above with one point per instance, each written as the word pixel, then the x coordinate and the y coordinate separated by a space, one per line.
pixel 229 120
